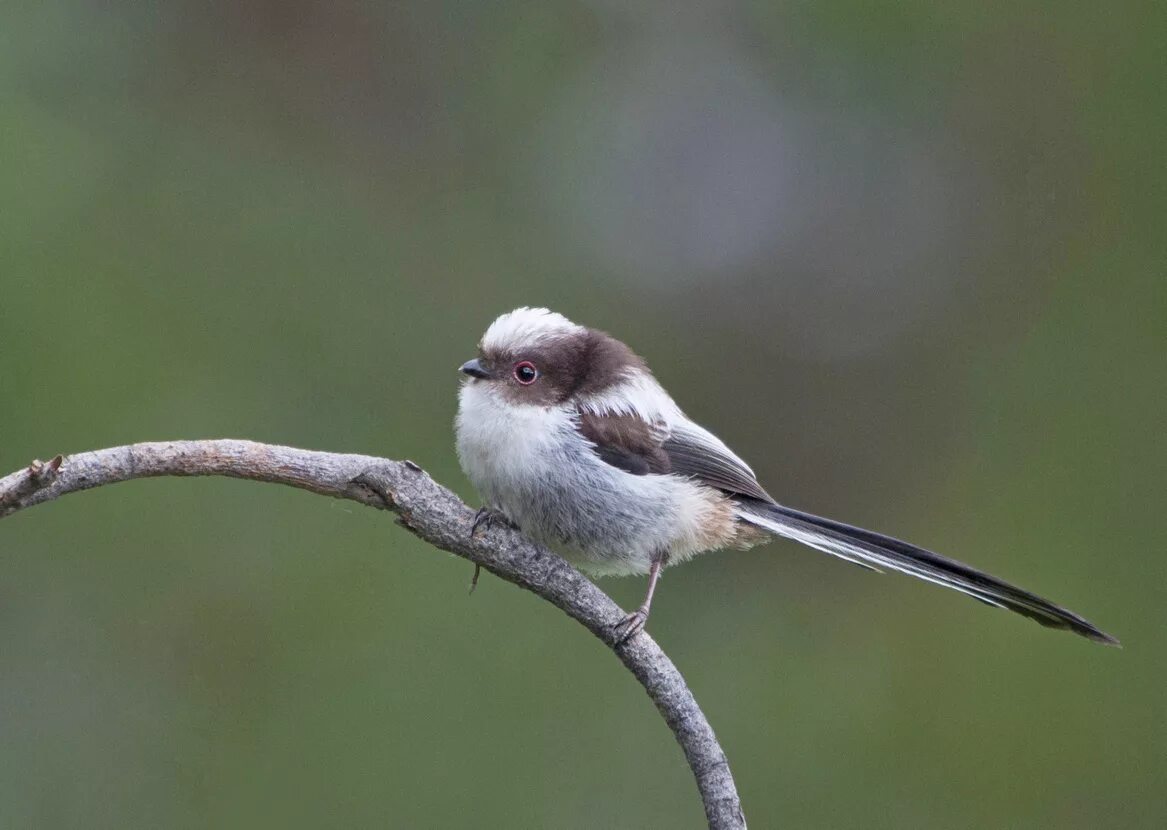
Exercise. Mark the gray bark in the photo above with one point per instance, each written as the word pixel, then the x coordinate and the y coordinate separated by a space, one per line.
pixel 432 513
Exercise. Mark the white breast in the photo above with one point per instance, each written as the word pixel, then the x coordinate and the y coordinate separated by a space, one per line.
pixel 501 445
pixel 532 463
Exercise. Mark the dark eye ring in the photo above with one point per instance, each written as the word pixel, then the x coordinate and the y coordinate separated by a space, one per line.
pixel 526 373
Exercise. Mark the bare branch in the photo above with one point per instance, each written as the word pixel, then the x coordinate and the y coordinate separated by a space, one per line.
pixel 434 514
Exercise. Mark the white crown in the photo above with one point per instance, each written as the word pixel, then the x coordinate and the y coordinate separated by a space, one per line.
pixel 525 327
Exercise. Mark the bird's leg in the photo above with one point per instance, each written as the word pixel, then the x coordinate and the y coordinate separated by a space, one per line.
pixel 486 517
pixel 634 623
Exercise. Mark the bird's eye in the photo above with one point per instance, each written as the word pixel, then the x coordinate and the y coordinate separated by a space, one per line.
pixel 526 373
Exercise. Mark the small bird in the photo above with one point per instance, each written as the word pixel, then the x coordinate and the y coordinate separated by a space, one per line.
pixel 568 437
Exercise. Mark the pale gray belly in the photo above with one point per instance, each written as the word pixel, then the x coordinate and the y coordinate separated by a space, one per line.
pixel 607 520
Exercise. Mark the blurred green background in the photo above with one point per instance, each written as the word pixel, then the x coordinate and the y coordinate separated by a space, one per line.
pixel 906 258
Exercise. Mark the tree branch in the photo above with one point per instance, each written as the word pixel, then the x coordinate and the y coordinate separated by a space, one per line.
pixel 434 514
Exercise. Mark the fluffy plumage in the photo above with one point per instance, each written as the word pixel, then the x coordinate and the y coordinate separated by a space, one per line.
pixel 595 459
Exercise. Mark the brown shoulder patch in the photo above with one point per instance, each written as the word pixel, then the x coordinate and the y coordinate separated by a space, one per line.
pixel 626 441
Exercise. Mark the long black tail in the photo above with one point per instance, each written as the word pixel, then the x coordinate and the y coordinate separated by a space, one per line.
pixel 874 550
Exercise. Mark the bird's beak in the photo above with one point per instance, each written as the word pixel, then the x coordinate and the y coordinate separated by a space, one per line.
pixel 475 369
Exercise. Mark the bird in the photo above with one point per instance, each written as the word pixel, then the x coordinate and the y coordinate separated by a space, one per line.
pixel 569 438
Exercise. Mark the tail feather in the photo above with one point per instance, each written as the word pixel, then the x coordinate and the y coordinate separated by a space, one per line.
pixel 874 551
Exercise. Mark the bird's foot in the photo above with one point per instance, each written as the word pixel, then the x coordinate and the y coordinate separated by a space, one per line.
pixel 488 517
pixel 631 625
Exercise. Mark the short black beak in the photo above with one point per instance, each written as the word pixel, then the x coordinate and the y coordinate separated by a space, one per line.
pixel 474 369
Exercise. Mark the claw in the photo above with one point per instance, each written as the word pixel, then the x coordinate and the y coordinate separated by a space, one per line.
pixel 487 517
pixel 631 625
pixel 482 517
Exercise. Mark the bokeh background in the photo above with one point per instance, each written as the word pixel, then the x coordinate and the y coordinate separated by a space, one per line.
pixel 907 258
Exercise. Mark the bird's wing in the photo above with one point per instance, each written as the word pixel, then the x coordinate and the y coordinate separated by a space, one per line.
pixel 696 452
pixel 627 441
pixel 641 446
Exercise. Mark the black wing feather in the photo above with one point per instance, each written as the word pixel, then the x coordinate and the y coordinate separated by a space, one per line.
pixel 693 454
